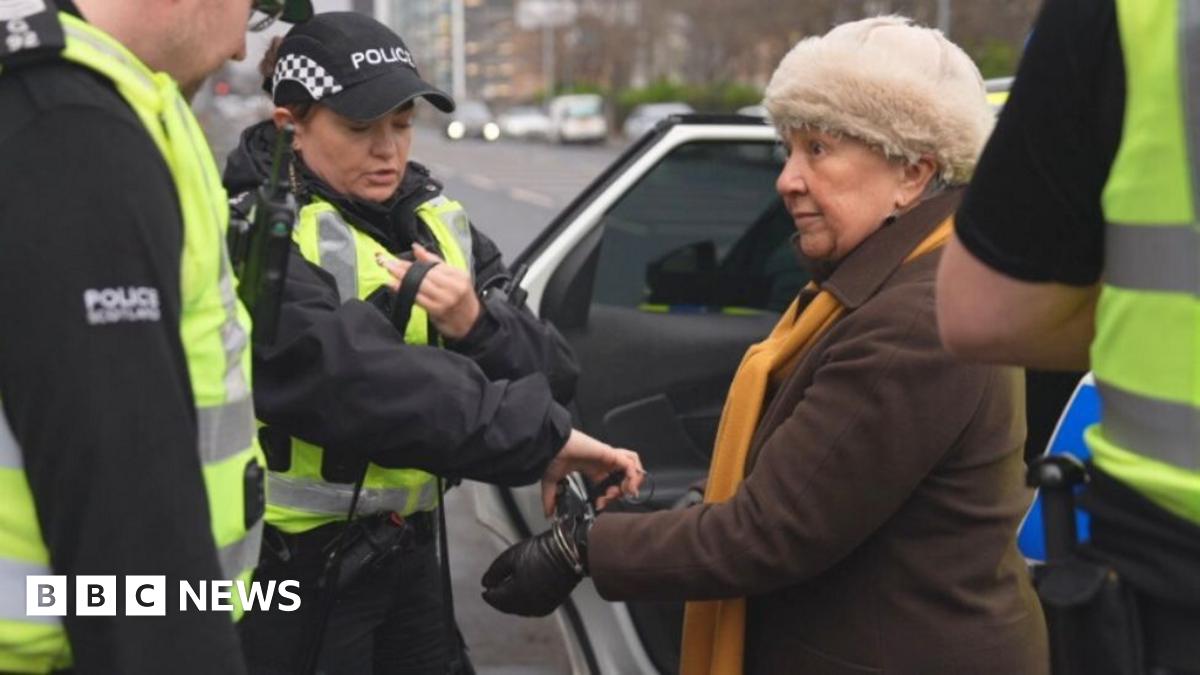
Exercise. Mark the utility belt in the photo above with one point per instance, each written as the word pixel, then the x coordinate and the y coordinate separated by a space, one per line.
pixel 364 545
pixel 1127 603
pixel 1107 626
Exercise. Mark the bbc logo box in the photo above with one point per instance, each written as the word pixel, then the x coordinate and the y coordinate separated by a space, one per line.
pixel 146 595
pixel 95 595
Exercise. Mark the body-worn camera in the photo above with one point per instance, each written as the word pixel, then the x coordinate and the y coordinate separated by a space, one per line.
pixel 372 543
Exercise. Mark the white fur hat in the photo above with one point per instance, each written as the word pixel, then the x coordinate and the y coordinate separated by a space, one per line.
pixel 904 89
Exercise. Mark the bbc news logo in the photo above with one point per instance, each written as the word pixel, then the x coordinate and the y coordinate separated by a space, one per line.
pixel 146 595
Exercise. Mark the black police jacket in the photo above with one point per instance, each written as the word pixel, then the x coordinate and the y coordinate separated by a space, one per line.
pixel 488 407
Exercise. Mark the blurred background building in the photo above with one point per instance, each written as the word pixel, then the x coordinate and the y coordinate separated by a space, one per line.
pixel 712 55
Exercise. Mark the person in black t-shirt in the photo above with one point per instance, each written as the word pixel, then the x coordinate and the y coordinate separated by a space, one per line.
pixel 1029 237
pixel 1021 280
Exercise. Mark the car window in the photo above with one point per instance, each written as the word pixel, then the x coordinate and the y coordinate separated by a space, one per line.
pixel 473 109
pixel 583 107
pixel 664 109
pixel 703 231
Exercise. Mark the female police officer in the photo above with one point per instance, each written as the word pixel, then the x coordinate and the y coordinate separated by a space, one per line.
pixel 368 394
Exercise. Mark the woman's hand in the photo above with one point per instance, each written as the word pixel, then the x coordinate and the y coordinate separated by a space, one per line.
pixel 596 460
pixel 446 292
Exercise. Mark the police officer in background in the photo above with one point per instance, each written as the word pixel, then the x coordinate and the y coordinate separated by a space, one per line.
pixel 1077 245
pixel 124 370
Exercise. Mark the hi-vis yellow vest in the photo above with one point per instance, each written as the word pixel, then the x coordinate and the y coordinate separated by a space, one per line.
pixel 300 499
pixel 1146 354
pixel 214 329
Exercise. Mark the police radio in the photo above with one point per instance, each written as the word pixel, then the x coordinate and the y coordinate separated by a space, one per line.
pixel 260 240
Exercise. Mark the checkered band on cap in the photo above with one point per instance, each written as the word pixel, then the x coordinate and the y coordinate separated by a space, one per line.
pixel 308 73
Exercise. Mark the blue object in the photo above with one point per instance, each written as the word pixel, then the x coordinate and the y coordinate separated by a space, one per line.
pixel 1082 411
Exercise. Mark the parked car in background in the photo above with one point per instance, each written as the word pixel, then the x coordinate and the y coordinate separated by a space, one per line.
pixel 758 110
pixel 578 118
pixel 472 119
pixel 645 116
pixel 997 91
pixel 524 122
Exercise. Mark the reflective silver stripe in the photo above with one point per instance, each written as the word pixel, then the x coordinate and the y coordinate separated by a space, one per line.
pixel 225 430
pixel 335 246
pixel 1153 257
pixel 242 554
pixel 1189 70
pixel 459 227
pixel 10 452
pixel 1161 430
pixel 429 497
pixel 12 590
pixel 184 114
pixel 233 336
pixel 333 499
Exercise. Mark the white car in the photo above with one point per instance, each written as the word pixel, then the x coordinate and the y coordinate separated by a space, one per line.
pixel 472 119
pixel 645 116
pixel 758 110
pixel 578 118
pixel 660 275
pixel 524 122
pixel 997 92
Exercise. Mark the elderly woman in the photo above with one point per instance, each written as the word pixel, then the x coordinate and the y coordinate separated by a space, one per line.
pixel 866 488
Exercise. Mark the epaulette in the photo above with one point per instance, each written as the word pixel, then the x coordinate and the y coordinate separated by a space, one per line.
pixel 30 32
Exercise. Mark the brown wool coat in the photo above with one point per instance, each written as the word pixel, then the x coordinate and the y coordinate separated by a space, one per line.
pixel 875 531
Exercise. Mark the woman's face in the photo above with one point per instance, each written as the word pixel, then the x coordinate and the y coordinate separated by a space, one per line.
pixel 839 190
pixel 365 160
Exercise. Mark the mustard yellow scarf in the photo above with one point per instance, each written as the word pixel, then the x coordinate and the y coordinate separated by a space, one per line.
pixel 714 631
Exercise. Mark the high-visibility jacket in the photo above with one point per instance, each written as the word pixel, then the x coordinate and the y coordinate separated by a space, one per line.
pixel 300 498
pixel 214 328
pixel 1146 353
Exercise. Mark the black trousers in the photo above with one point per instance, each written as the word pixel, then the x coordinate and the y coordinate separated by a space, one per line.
pixel 390 621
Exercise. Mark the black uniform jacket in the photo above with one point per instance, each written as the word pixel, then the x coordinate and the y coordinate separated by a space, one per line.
pixel 489 407
pixel 103 412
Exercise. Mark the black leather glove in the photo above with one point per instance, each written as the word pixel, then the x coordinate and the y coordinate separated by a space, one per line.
pixel 533 577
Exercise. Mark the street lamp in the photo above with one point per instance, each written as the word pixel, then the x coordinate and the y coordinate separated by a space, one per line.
pixel 943 17
pixel 547 15
pixel 458 59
